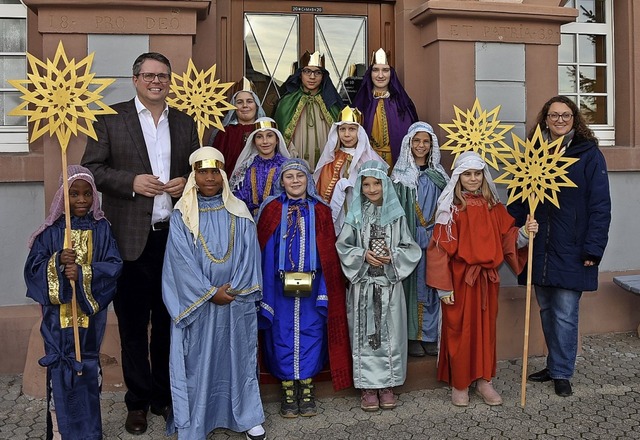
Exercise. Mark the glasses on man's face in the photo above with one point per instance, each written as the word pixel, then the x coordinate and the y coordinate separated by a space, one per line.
pixel 309 72
pixel 149 77
pixel 564 116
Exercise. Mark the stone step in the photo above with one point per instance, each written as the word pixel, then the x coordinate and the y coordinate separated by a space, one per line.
pixel 421 374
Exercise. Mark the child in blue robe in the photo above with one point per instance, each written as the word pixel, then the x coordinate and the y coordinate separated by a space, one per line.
pixel 301 329
pixel 93 264
pixel 211 281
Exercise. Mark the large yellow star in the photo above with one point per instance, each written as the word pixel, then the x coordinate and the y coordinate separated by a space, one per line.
pixel 62 99
pixel 202 96
pixel 477 130
pixel 538 169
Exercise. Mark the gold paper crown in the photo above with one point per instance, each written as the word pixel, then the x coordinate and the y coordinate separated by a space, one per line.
pixel 208 163
pixel 380 57
pixel 350 114
pixel 312 59
pixel 262 125
pixel 243 85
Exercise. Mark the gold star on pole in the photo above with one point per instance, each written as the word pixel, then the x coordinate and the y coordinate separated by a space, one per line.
pixel 61 98
pixel 538 170
pixel 202 96
pixel 477 130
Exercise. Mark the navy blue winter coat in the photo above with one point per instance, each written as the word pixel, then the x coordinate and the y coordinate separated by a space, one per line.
pixel 579 229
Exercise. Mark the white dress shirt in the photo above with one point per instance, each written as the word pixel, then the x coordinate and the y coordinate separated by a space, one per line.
pixel 158 140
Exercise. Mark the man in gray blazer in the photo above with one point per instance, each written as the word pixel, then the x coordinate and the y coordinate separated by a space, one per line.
pixel 140 163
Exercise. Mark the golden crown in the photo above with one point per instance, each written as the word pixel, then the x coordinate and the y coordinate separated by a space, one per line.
pixel 380 57
pixel 350 114
pixel 262 125
pixel 243 85
pixel 208 163
pixel 312 59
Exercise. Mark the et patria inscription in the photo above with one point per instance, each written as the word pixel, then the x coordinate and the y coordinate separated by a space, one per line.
pixel 501 32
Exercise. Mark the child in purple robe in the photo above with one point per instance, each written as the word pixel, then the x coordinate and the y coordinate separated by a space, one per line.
pixel 93 263
pixel 387 110
pixel 258 165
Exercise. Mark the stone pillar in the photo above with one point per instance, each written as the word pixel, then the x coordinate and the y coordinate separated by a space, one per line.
pixel 170 25
pixel 444 73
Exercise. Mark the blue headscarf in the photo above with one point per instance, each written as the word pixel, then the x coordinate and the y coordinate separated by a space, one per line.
pixel 391 209
pixel 278 188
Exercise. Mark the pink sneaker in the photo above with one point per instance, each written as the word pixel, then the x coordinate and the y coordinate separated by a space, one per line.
pixel 460 397
pixel 369 400
pixel 388 400
pixel 488 393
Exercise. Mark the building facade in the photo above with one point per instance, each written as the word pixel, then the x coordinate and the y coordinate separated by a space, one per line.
pixel 512 53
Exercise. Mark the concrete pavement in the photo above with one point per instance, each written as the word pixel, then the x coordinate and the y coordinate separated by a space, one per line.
pixel 605 405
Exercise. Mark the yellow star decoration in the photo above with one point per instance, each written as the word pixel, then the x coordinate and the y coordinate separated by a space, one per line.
pixel 201 96
pixel 477 130
pixel 538 170
pixel 61 95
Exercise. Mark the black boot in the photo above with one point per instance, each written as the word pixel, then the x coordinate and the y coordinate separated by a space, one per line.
pixel 289 399
pixel 307 398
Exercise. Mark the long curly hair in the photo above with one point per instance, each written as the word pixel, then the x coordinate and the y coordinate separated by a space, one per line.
pixel 580 126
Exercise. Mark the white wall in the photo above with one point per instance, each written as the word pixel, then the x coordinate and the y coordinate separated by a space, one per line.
pixel 623 250
pixel 21 213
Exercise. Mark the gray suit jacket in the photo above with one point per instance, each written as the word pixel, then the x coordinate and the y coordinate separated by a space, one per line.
pixel 118 156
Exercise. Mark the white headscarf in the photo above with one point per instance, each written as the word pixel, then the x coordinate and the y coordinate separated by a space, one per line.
pixel 469 160
pixel 188 203
pixel 250 151
pixel 405 171
pixel 363 151
pixel 231 118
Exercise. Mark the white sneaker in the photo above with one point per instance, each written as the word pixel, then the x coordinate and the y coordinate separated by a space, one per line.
pixel 256 433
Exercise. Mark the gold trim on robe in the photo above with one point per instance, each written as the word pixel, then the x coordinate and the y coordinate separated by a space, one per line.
pixel 380 141
pixel 83 245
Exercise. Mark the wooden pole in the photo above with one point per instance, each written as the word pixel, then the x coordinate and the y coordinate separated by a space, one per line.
pixel 527 313
pixel 68 245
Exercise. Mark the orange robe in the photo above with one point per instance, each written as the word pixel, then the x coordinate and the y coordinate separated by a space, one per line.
pixel 331 173
pixel 481 239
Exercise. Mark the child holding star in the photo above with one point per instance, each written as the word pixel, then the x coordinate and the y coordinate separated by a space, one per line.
pixel 473 235
pixel 93 263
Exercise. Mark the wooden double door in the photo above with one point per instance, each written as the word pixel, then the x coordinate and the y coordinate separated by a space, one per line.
pixel 266 40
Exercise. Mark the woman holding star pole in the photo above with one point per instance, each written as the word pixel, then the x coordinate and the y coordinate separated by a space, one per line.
pixel 572 238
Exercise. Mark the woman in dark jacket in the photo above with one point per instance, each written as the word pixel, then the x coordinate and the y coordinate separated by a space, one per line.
pixel 571 239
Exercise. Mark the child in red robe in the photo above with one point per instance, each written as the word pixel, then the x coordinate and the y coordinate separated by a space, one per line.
pixel 473 235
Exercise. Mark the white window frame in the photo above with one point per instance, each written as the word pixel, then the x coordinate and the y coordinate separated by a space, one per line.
pixel 604 132
pixel 14 138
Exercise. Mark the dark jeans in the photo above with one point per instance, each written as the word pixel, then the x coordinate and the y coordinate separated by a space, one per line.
pixel 145 365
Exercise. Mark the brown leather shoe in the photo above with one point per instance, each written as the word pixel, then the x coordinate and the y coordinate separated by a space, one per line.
pixel 136 423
